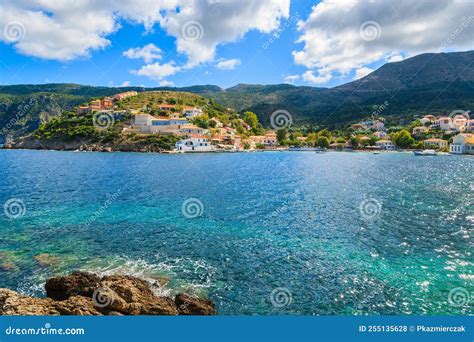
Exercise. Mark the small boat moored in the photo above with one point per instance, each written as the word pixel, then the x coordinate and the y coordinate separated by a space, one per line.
pixel 425 153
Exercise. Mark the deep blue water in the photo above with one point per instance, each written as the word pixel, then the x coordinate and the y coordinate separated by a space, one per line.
pixel 339 233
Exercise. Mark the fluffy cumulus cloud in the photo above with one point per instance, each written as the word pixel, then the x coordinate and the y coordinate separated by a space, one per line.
pixel 227 64
pixel 291 78
pixel 200 26
pixel 148 53
pixel 342 36
pixel 157 71
pixel 361 72
pixel 68 29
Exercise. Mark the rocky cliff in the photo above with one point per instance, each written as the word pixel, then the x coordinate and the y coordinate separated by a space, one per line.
pixel 87 294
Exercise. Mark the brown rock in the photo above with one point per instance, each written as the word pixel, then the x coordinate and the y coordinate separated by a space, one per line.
pixel 86 294
pixel 188 305
pixel 77 283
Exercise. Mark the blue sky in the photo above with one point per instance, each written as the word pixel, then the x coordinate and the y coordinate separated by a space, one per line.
pixel 272 41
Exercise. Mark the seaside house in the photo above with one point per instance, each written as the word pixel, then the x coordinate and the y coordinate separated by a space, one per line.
pixel 444 123
pixel 124 95
pixel 459 123
pixel 435 143
pixel 428 119
pixel 106 102
pixel 385 145
pixel 469 126
pixel 191 112
pixel 270 140
pixel 147 123
pixel 255 140
pixel 192 129
pixel 463 143
pixel 359 127
pixel 419 130
pixel 194 143
pixel 380 134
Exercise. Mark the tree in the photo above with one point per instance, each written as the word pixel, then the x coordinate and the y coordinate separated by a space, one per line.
pixel 325 133
pixel 323 142
pixel 403 139
pixel 251 119
pixel 281 136
pixel 354 142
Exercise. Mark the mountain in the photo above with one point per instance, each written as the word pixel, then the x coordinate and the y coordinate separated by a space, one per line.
pixel 418 71
pixel 427 83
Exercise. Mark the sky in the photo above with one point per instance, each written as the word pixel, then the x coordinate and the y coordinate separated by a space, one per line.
pixel 222 42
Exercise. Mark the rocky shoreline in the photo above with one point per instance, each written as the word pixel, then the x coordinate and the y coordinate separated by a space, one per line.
pixel 30 143
pixel 82 293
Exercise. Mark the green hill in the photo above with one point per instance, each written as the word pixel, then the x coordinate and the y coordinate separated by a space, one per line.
pixel 428 83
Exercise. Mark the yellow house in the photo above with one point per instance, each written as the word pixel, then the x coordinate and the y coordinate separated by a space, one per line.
pixel 435 143
pixel 462 143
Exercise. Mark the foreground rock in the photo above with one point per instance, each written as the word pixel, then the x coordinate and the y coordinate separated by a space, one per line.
pixel 83 293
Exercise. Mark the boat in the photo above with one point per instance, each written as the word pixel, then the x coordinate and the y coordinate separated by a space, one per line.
pixel 425 153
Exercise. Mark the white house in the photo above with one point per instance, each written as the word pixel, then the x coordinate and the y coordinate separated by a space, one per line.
pixel 192 129
pixel 444 123
pixel 195 143
pixel 191 112
pixel 469 126
pixel 428 119
pixel 147 123
pixel 385 145
pixel 462 143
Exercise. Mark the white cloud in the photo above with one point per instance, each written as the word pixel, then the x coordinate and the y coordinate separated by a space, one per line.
pixel 157 71
pixel 200 26
pixel 125 84
pixel 395 58
pixel 227 64
pixel 148 53
pixel 291 78
pixel 166 83
pixel 342 36
pixel 69 29
pixel 322 78
pixel 361 72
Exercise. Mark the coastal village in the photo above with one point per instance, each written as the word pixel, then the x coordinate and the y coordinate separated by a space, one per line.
pixel 198 131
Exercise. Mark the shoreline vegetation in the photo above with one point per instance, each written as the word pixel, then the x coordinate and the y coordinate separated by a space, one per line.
pixel 87 294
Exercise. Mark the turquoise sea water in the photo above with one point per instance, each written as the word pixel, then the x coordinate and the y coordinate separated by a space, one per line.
pixel 279 232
